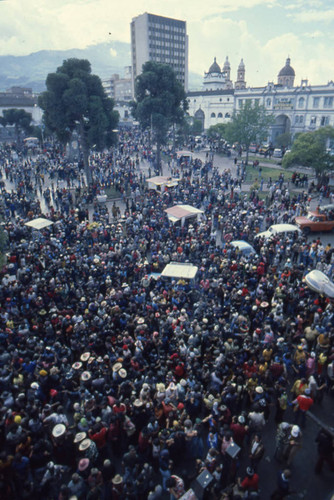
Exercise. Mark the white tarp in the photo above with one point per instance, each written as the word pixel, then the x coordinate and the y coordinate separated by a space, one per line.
pixel 39 223
pixel 180 270
pixel 320 283
pixel 179 212
pixel 160 181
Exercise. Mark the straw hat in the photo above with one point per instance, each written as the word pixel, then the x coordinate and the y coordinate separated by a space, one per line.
pixel 80 436
pixel 85 356
pixel 85 444
pixel 117 479
pixel 137 403
pixel 122 373
pixel 140 321
pixel 85 376
pixel 58 430
pixel 116 367
pixel 77 365
pixel 83 464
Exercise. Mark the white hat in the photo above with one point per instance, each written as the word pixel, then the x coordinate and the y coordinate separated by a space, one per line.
pixel 259 389
pixel 85 356
pixel 122 373
pixel 58 430
pixel 80 436
pixel 137 403
pixel 85 444
pixel 116 367
pixel 77 365
pixel 295 431
pixel 85 376
pixel 117 479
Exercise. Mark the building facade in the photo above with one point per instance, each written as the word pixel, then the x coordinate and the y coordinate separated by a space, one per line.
pixel 296 108
pixel 21 98
pixel 214 103
pixel 159 39
pixel 119 89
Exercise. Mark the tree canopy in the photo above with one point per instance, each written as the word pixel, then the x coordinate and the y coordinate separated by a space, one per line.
pixel 160 100
pixel 309 150
pixel 75 100
pixel 250 124
pixel 19 118
pixel 217 131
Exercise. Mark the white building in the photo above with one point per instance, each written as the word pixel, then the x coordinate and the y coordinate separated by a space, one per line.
pixel 21 98
pixel 119 89
pixel 159 39
pixel 215 102
pixel 296 109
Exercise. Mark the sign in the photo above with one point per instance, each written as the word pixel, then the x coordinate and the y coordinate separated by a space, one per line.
pixel 283 103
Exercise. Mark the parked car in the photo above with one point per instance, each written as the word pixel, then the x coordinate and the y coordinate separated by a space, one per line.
pixel 315 222
pixel 277 153
pixel 275 229
pixel 244 247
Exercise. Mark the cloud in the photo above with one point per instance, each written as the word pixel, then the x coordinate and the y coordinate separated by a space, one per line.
pixel 312 16
pixel 113 52
pixel 226 28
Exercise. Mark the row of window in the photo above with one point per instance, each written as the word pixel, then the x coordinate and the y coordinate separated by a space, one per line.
pixel 327 102
pixel 220 115
pixel 316 102
pixel 153 27
pixel 165 42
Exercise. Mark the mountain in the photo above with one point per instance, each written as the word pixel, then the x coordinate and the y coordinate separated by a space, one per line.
pixel 105 58
pixel 32 70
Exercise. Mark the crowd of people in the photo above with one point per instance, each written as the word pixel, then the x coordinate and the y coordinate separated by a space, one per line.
pixel 116 383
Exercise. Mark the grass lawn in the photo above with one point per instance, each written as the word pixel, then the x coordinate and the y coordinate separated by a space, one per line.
pixel 252 174
pixel 262 159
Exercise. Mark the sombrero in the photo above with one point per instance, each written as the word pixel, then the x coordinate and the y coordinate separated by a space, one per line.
pixel 58 430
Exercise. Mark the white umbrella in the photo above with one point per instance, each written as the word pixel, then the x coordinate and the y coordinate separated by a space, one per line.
pixel 320 283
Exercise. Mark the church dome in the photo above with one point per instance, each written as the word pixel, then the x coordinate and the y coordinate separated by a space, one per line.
pixel 214 68
pixel 287 70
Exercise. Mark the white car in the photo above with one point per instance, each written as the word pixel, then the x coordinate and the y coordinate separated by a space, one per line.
pixel 287 229
pixel 277 153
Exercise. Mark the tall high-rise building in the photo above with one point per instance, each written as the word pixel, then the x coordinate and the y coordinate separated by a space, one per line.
pixel 159 39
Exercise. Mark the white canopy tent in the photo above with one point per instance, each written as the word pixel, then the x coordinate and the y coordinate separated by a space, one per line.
pixel 180 271
pixel 39 223
pixel 160 182
pixel 182 212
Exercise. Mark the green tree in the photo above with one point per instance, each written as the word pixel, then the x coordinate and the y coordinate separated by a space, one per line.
pixel 75 100
pixel 283 140
pixel 160 101
pixel 309 150
pixel 250 124
pixel 217 131
pixel 20 119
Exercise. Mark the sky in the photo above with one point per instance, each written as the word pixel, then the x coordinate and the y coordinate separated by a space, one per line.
pixel 262 32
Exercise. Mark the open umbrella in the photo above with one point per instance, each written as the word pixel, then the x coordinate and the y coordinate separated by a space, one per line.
pixel 320 283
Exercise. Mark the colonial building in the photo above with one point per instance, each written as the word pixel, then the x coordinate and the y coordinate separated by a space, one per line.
pixel 296 108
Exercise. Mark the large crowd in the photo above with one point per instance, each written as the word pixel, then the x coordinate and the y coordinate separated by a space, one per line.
pixel 116 383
